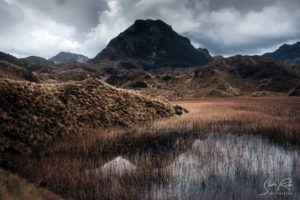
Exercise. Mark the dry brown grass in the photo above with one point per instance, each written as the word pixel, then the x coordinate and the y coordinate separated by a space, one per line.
pixel 151 146
pixel 32 114
pixel 229 77
pixel 13 187
pixel 277 118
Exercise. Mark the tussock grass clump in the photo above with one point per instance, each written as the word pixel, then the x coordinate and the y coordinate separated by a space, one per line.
pixel 32 114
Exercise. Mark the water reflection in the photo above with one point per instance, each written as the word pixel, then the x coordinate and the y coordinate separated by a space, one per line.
pixel 220 166
pixel 230 167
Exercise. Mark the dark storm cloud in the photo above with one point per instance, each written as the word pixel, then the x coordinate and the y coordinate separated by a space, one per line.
pixel 82 14
pixel 241 5
pixel 246 27
pixel 223 26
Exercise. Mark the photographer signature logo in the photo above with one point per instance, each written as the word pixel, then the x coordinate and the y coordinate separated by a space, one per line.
pixel 278 187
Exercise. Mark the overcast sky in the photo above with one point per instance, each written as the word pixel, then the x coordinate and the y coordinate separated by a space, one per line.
pixel 224 27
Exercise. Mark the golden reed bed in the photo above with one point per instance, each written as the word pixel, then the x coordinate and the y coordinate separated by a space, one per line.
pixel 60 168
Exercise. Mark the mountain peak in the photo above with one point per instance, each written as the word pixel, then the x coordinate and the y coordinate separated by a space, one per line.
pixel 147 24
pixel 287 53
pixel 68 58
pixel 152 43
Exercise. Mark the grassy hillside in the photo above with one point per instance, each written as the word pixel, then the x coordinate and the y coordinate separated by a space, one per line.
pixel 229 77
pixel 32 114
pixel 12 71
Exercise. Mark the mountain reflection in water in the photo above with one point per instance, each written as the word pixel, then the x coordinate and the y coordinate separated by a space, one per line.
pixel 220 166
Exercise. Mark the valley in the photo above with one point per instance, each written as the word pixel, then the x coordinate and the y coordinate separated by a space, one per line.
pixel 150 117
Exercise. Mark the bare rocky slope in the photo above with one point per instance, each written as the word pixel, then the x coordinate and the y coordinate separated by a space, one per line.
pixel 32 114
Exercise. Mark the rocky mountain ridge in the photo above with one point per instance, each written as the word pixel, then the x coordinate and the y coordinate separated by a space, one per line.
pixel 289 54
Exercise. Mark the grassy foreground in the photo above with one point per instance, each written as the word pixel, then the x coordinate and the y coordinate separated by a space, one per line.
pixel 61 168
pixel 277 118
pixel 33 114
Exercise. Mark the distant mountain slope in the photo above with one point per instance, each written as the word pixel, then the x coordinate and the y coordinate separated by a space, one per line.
pixel 7 57
pixel 34 63
pixel 246 75
pixel 31 63
pixel 23 68
pixel 33 114
pixel 69 72
pixel 152 44
pixel 234 76
pixel 69 58
pixel 38 69
pixel 289 54
pixel 222 77
pixel 12 71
